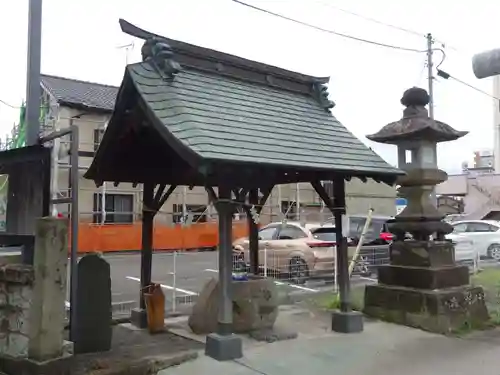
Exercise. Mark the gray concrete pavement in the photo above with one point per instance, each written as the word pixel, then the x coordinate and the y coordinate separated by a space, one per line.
pixel 382 349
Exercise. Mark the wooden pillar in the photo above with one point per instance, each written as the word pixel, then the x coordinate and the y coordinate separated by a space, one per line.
pixel 345 320
pixel 147 239
pixel 253 234
pixel 225 212
pixel 342 258
pixel 139 317
pixel 223 345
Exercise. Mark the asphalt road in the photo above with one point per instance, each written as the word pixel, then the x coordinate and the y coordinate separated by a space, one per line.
pixel 192 270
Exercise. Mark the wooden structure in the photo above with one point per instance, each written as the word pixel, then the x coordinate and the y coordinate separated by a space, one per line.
pixel 191 116
pixel 28 195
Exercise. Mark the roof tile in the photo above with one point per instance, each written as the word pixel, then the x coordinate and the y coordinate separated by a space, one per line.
pixel 80 93
pixel 225 118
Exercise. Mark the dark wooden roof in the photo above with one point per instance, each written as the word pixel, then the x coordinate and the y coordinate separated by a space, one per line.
pixel 221 111
pixel 80 94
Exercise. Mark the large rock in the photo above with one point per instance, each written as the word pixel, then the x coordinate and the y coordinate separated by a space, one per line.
pixel 255 306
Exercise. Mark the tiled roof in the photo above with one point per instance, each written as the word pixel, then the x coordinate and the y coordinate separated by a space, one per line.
pixel 229 119
pixel 219 109
pixel 80 94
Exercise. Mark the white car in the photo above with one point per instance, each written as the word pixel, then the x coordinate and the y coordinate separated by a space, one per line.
pixel 484 234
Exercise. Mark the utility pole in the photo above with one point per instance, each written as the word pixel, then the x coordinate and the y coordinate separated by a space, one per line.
pixel 33 90
pixel 430 81
pixel 430 78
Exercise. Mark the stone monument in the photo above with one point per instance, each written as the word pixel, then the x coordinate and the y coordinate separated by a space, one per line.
pixel 422 287
pixel 93 316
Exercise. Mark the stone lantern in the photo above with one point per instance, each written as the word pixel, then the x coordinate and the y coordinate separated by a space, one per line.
pixel 423 286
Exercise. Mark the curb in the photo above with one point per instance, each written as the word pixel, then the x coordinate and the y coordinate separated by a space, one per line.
pixel 149 365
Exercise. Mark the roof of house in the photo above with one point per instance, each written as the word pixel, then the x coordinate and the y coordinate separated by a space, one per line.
pixel 80 94
pixel 224 109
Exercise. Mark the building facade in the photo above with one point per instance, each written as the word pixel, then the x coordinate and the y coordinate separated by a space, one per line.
pixel 89 106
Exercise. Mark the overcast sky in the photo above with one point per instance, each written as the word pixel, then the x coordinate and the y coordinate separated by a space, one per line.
pixel 80 40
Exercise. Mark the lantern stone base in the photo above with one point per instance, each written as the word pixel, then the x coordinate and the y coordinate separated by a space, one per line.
pixel 424 277
pixel 440 311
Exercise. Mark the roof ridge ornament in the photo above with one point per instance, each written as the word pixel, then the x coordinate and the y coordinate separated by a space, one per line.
pixel 157 52
pixel 320 93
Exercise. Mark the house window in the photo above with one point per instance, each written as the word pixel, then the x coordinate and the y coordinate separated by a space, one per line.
pixel 98 133
pixel 119 208
pixel 199 213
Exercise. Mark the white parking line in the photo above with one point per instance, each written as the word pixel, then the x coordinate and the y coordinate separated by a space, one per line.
pixel 280 283
pixel 189 293
pixel 368 279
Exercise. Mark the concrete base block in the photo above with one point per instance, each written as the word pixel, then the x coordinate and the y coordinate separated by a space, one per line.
pixel 347 322
pixel 439 311
pixel 139 318
pixel 223 348
pixel 25 366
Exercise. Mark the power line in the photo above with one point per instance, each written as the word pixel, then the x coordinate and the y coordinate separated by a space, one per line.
pixel 446 75
pixel 347 36
pixel 370 19
pixel 9 105
pixel 390 25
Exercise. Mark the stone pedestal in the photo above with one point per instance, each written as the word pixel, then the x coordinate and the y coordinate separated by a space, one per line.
pixel 32 311
pixel 255 306
pixel 424 288
pixel 47 315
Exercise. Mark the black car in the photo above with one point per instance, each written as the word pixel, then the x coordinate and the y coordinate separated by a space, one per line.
pixel 377 234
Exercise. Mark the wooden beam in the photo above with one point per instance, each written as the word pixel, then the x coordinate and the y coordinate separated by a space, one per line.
pixel 159 192
pixel 164 197
pixel 266 192
pixel 320 190
pixel 212 197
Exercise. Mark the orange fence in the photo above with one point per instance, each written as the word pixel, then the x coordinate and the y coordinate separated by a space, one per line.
pixel 123 237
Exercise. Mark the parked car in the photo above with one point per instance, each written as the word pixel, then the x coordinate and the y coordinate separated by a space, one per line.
pixel 294 249
pixel 377 234
pixel 484 234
